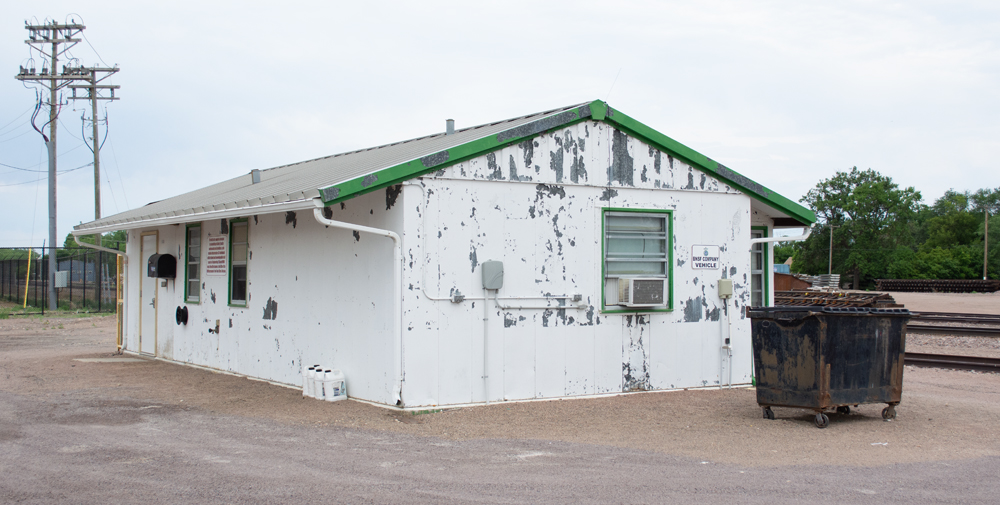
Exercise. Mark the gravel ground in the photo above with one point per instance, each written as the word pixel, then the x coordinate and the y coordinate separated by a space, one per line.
pixel 944 414
pixel 152 431
pixel 969 303
pixel 988 347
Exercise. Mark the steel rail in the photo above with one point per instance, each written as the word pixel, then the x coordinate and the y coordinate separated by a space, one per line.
pixel 940 329
pixel 976 363
pixel 956 317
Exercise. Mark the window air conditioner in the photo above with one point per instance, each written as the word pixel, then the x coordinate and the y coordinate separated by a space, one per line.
pixel 642 291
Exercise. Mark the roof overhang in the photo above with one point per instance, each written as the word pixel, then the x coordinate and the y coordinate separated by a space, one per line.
pixel 188 217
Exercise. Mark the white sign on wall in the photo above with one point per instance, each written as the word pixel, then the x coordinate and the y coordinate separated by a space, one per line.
pixel 705 257
pixel 215 257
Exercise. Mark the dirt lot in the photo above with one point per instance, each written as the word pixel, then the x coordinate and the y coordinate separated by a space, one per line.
pixel 164 422
pixel 944 414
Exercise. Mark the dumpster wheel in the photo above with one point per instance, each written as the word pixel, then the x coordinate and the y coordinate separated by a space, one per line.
pixel 889 413
pixel 821 420
pixel 768 413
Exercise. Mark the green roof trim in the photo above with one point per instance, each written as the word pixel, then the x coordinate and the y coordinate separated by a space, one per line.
pixel 596 110
pixel 716 169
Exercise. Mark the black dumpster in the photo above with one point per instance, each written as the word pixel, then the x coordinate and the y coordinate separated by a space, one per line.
pixel 826 358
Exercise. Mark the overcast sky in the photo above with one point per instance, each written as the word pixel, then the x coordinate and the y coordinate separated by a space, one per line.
pixel 786 93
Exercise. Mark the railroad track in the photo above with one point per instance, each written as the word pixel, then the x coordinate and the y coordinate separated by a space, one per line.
pixel 976 363
pixel 955 317
pixel 992 322
pixel 940 329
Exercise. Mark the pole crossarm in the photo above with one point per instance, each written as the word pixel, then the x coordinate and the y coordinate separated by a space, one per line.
pixel 54 34
pixel 93 76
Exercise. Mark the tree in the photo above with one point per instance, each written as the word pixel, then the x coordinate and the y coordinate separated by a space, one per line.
pixel 872 217
pixel 783 251
pixel 985 200
pixel 950 222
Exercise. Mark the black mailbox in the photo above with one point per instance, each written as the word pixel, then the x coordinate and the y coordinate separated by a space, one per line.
pixel 163 266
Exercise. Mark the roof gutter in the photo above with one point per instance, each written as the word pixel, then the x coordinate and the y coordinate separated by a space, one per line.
pixel 397 287
pixel 270 208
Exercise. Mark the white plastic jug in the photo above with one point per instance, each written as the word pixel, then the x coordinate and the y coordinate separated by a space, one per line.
pixel 315 384
pixel 336 386
pixel 308 388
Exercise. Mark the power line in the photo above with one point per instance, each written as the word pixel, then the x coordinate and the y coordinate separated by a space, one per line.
pixel 15 119
pixel 15 137
pixel 112 190
pixel 121 182
pixel 43 171
pixel 43 178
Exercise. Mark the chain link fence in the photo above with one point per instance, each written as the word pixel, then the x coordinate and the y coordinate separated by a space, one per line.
pixel 87 279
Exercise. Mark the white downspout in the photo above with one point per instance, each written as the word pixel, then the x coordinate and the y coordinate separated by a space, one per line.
pixel 796 238
pixel 397 288
pixel 94 246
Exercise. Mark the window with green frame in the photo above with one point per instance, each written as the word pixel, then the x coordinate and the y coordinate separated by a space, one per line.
pixel 192 264
pixel 637 252
pixel 759 289
pixel 239 248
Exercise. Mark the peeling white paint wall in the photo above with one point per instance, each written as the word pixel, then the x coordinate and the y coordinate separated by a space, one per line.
pixel 537 207
pixel 332 292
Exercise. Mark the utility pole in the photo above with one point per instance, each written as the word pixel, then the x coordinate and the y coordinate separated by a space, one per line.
pixel 986 241
pixel 94 76
pixel 829 270
pixel 51 39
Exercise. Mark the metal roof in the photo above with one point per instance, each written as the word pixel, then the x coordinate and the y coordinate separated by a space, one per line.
pixel 342 176
pixel 299 182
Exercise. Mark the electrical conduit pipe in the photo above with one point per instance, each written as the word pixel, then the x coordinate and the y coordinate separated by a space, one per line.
pixel 397 288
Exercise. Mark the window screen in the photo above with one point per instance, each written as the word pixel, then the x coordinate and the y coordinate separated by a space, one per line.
pixel 635 244
pixel 758 264
pixel 192 270
pixel 238 252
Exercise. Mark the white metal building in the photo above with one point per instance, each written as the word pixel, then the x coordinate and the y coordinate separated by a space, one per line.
pixel 604 242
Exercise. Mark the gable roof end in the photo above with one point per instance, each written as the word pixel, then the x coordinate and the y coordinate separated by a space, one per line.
pixel 596 110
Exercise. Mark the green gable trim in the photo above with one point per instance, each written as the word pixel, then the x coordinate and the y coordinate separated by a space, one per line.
pixel 712 167
pixel 441 160
pixel 596 110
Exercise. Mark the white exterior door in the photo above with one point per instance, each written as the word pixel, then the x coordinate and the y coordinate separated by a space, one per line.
pixel 147 297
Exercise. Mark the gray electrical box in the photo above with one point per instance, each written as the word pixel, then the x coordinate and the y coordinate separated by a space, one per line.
pixel 492 274
pixel 62 279
pixel 725 288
